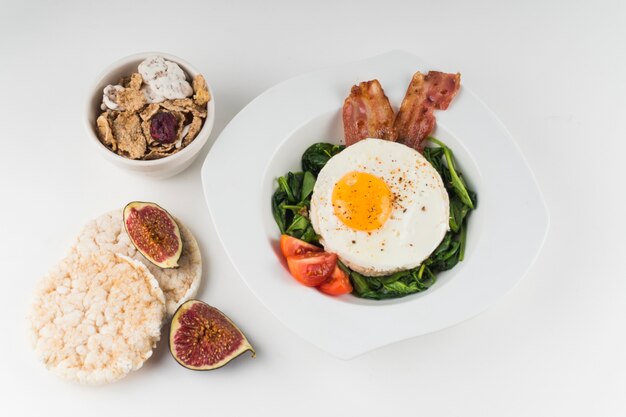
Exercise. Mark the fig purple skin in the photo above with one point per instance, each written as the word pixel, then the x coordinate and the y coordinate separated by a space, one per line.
pixel 202 338
pixel 164 127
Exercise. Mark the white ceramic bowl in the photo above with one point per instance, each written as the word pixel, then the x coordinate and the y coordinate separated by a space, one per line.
pixel 159 168
pixel 505 232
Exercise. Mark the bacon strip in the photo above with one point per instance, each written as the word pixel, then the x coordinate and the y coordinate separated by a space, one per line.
pixel 367 113
pixel 416 119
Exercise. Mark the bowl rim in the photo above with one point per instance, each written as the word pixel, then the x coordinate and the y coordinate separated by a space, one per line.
pixel 187 152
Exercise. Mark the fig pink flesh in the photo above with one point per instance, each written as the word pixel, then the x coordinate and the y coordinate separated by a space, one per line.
pixel 205 336
pixel 153 232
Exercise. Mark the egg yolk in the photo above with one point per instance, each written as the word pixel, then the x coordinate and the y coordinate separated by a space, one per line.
pixel 362 201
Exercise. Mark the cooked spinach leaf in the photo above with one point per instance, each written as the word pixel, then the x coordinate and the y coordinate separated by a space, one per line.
pixel 456 181
pixel 395 285
pixel 279 211
pixel 290 205
pixel 308 182
pixel 317 155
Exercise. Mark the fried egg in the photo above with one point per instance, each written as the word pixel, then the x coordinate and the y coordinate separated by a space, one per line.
pixel 380 206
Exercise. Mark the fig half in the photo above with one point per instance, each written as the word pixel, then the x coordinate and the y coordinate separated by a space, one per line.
pixel 154 233
pixel 202 338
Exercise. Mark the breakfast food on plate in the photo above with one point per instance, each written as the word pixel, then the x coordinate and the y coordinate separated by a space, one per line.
pixel 202 338
pixel 367 113
pixel 154 233
pixel 377 218
pixel 96 317
pixel 180 284
pixel 154 112
pixel 426 93
pixel 313 267
pixel 380 206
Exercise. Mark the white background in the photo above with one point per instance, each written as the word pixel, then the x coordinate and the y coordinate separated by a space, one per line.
pixel 552 71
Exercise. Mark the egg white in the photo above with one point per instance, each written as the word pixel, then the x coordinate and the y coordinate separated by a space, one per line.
pixel 419 218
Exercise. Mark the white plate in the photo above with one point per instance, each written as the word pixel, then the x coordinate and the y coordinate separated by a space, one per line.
pixel 267 138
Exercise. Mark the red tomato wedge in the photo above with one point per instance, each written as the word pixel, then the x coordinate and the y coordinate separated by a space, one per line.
pixel 291 246
pixel 312 268
pixel 337 284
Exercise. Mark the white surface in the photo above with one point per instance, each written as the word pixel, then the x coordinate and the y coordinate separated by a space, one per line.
pixel 553 72
pixel 348 327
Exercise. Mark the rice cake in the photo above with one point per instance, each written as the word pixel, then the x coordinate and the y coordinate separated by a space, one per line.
pixel 96 317
pixel 180 284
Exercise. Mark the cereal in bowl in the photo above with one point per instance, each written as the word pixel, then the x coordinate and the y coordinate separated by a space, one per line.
pixel 154 112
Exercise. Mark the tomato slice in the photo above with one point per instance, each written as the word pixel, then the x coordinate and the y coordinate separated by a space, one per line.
pixel 337 284
pixel 312 268
pixel 291 246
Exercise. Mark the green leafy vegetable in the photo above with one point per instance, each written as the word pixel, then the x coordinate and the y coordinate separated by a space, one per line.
pixel 308 183
pixel 457 181
pixel 317 155
pixel 279 211
pixel 462 248
pixel 291 203
pixel 395 285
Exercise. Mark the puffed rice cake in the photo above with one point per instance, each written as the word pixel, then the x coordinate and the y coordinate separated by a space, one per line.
pixel 180 284
pixel 96 317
